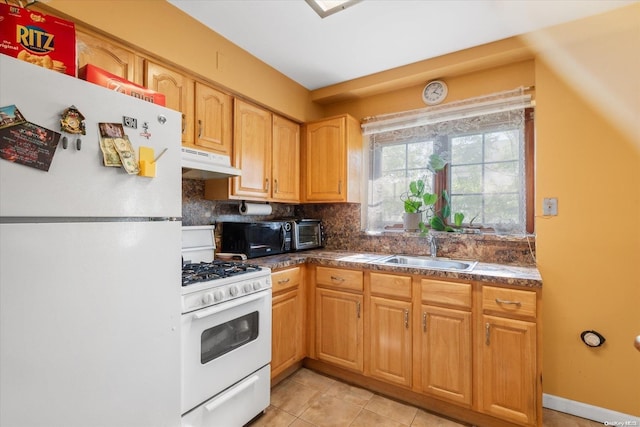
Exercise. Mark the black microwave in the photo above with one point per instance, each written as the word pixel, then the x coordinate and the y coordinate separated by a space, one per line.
pixel 256 239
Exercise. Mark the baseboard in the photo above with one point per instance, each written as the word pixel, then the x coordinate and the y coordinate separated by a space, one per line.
pixel 583 410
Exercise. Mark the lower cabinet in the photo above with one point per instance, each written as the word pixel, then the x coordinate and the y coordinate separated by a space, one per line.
pixel 445 351
pixel 507 352
pixel 339 328
pixel 287 345
pixel 339 320
pixel 389 341
pixel 469 347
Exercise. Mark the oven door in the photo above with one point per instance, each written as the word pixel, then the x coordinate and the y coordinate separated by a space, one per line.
pixel 223 344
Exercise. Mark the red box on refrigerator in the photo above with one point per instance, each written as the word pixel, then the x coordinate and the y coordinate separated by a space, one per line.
pixel 44 40
pixel 96 75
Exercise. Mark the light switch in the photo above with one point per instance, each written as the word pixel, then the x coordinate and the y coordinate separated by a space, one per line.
pixel 550 206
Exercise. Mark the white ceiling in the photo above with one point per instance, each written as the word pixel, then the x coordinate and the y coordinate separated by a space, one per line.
pixel 375 35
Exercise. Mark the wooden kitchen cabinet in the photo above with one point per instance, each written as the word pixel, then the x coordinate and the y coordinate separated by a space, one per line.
pixel 332 160
pixel 213 120
pixel 445 339
pixel 339 317
pixel 108 55
pixel 339 328
pixel 252 134
pixel 288 345
pixel 207 113
pixel 285 170
pixel 507 353
pixel 390 331
pixel 468 350
pixel 267 149
pixel 178 90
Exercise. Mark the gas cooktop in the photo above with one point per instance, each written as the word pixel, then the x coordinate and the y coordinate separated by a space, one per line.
pixel 207 271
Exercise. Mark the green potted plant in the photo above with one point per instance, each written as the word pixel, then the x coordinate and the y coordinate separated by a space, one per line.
pixel 417 200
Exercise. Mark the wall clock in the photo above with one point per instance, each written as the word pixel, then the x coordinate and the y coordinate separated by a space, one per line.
pixel 434 92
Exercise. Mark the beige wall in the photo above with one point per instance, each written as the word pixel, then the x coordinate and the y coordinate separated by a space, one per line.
pixel 161 29
pixel 587 154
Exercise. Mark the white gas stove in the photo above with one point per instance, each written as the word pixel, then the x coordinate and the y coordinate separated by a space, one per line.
pixel 226 335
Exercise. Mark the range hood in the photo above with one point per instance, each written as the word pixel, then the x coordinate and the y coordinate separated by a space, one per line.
pixel 199 164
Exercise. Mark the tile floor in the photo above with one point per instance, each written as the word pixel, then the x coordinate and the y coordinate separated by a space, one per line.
pixel 308 399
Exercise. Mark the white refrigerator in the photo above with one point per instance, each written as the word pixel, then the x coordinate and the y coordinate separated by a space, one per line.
pixel 90 268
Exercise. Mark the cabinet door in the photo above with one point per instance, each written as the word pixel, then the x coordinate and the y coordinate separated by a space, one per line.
pixel 108 56
pixel 286 348
pixel 339 328
pixel 325 161
pixel 252 151
pixel 390 335
pixel 446 353
pixel 214 110
pixel 286 161
pixel 179 92
pixel 508 362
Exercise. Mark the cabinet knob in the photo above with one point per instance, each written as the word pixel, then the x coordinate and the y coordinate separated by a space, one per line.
pixel 636 343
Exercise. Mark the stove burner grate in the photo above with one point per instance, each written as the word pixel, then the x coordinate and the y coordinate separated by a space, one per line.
pixel 206 271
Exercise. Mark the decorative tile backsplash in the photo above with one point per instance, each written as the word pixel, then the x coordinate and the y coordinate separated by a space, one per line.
pixel 198 211
pixel 342 228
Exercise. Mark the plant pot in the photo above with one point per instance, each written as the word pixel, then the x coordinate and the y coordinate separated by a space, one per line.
pixel 412 221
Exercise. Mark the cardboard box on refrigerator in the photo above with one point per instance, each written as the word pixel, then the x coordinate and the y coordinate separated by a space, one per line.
pixel 44 40
pixel 101 77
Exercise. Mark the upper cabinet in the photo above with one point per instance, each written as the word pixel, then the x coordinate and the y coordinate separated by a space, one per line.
pixel 252 151
pixel 178 90
pixel 207 113
pixel 267 150
pixel 285 170
pixel 108 55
pixel 214 120
pixel 332 160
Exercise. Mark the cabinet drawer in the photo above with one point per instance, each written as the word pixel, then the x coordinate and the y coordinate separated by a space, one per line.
pixel 285 279
pixel 339 278
pixel 446 293
pixel 390 285
pixel 509 301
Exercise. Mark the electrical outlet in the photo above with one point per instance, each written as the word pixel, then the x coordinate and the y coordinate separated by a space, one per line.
pixel 550 206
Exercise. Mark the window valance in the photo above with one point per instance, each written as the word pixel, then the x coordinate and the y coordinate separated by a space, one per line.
pixel 485 105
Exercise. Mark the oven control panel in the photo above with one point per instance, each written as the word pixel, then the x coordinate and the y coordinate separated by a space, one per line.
pixel 218 291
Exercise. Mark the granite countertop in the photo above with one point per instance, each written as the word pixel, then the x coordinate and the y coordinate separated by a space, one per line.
pixel 482 272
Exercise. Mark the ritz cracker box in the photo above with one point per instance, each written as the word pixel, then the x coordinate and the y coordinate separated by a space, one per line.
pixel 40 39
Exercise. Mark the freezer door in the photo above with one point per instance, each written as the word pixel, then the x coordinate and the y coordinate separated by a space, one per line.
pixel 90 324
pixel 77 183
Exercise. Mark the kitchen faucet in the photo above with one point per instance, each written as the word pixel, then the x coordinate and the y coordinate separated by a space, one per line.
pixel 433 245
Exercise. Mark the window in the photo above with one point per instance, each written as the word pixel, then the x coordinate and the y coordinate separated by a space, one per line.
pixel 488 176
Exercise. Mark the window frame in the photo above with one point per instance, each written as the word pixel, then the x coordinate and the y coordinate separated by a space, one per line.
pixel 441 179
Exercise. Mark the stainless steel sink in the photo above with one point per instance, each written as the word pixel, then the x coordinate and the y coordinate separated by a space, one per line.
pixel 427 263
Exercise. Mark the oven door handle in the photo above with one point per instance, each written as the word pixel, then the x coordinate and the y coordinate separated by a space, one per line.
pixel 201 314
pixel 231 394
